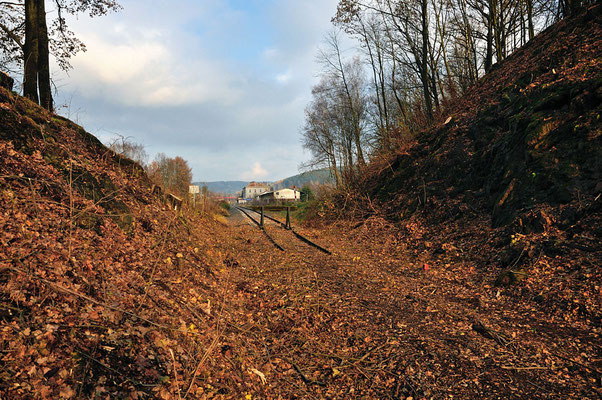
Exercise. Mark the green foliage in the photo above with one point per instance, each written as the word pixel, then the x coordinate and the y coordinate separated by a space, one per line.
pixel 307 194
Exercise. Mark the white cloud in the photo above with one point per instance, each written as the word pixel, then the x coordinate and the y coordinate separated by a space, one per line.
pixel 256 173
pixel 271 54
pixel 284 78
pixel 202 79
pixel 144 70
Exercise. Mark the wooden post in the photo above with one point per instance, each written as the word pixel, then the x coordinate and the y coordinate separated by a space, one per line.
pixel 261 222
pixel 288 218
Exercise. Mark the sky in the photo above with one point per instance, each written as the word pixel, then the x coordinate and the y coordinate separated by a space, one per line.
pixel 221 83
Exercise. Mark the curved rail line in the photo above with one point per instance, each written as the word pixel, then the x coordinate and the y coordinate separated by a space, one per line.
pixel 263 230
pixel 283 225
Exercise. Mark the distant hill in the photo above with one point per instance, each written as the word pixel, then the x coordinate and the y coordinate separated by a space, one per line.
pixel 226 187
pixel 318 177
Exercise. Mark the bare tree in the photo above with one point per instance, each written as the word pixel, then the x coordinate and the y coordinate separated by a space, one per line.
pixel 173 174
pixel 127 148
pixel 348 78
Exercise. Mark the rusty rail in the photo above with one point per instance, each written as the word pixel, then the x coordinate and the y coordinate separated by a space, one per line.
pixel 283 225
pixel 262 229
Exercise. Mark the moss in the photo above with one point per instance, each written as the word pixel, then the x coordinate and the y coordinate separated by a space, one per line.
pixel 89 221
pixel 553 99
pixel 562 194
pixel 511 277
pixel 125 222
pixel 98 189
pixel 568 169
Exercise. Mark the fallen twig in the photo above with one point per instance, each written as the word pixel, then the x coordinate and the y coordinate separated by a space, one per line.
pixel 207 352
pixel 175 373
pixel 489 334
pixel 304 378
pixel 578 363
pixel 201 362
pixel 536 367
pixel 83 296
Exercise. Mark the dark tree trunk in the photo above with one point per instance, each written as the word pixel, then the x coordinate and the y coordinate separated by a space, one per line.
pixel 489 54
pixel 572 7
pixel 30 51
pixel 43 60
pixel 530 19
pixel 428 102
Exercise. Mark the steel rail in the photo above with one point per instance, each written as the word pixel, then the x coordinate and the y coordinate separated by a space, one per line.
pixel 265 216
pixel 282 225
pixel 262 229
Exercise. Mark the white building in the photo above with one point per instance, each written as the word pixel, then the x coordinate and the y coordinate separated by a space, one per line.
pixel 282 194
pixel 287 194
pixel 254 189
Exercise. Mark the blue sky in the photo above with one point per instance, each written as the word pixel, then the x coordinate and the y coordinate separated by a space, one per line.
pixel 222 83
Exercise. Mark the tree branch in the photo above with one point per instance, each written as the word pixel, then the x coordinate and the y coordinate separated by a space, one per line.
pixel 12 35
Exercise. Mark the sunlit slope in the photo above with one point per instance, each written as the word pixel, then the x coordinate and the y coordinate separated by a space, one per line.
pixel 99 279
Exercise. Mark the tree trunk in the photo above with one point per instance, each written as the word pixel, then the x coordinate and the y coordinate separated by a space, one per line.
pixel 333 165
pixel 43 60
pixel 489 54
pixel 444 50
pixel 375 76
pixel 424 69
pixel 530 19
pixel 496 19
pixel 30 51
pixel 572 7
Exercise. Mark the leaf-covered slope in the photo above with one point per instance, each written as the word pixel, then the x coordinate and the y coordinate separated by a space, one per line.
pixel 512 182
pixel 527 134
pixel 99 281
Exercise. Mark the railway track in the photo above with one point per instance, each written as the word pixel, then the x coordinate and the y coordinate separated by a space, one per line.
pixel 264 231
pixel 302 238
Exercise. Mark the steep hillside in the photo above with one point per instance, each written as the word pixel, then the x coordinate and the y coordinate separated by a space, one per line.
pixel 510 178
pixel 528 134
pixel 101 284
